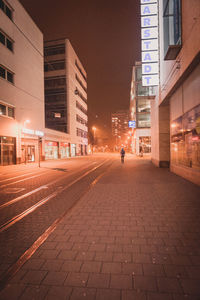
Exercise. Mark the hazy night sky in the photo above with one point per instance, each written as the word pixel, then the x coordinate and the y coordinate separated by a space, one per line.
pixel 105 34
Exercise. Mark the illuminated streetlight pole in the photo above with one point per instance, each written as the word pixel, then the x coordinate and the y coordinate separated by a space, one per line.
pixel 94 133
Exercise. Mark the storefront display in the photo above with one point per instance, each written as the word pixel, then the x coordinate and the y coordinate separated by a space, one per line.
pixel 51 150
pixel 185 139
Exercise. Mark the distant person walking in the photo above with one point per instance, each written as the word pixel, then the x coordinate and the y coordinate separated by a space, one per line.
pixel 122 153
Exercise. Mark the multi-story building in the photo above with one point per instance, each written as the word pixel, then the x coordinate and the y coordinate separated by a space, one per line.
pixel 140 98
pixel 66 118
pixel 119 125
pixel 175 113
pixel 21 86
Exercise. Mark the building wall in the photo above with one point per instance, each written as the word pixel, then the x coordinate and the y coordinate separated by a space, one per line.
pixel 26 94
pixel 72 85
pixel 179 90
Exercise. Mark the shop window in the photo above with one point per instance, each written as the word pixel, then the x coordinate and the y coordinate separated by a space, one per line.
pixel 172 28
pixel 185 139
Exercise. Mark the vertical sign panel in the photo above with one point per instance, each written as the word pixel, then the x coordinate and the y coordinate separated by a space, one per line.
pixel 149 33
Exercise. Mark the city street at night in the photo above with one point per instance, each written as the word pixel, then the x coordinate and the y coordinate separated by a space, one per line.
pixel 94 228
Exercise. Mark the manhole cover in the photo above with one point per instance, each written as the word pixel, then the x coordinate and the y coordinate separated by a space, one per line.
pixel 13 190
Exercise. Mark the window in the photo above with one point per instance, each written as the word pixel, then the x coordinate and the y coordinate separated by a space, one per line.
pixel 6 110
pixel 54 65
pixel 2 72
pixel 77 92
pixel 2 38
pixel 2 110
pixel 6 41
pixel 8 75
pixel 81 133
pixel 6 9
pixel 80 107
pixel 54 50
pixel 55 81
pixel 11 112
pixel 80 70
pixel 80 82
pixel 172 28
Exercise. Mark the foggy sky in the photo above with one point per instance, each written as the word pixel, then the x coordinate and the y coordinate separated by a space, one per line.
pixel 105 34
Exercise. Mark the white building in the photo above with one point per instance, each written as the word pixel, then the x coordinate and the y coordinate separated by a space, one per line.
pixel 140 99
pixel 21 85
pixel 175 113
pixel 66 118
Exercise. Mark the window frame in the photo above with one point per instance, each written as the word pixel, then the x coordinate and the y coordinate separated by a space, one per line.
pixel 172 28
pixel 7 106
pixel 6 7
pixel 6 74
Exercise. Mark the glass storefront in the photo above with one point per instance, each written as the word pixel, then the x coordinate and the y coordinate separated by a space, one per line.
pixel 185 139
pixel 64 150
pixel 51 150
pixel 7 150
pixel 145 143
pixel 73 150
pixel 28 153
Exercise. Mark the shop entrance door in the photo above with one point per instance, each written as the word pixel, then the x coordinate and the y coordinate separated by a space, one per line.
pixel 28 154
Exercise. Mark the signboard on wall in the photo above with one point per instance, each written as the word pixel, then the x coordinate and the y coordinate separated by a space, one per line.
pixel 132 124
pixel 149 34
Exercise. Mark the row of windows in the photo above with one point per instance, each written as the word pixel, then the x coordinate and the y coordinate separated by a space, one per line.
pixel 81 133
pixel 59 98
pixel 55 81
pixel 81 120
pixel 6 9
pixel 80 70
pixel 56 91
pixel 81 84
pixel 79 106
pixel 54 50
pixel 54 65
pixel 77 92
pixel 6 74
pixel 6 41
pixel 6 110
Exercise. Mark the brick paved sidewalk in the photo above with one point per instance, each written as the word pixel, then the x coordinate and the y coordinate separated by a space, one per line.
pixel 134 236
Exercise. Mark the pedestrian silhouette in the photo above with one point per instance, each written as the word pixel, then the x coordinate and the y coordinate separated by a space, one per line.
pixel 122 153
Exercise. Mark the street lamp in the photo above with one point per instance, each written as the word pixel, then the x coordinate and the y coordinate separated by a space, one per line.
pixel 94 133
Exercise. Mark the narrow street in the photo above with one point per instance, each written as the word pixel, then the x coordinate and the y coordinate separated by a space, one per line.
pixel 93 228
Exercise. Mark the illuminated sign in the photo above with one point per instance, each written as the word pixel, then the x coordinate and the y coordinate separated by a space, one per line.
pixel 33 132
pixel 149 34
pixel 131 124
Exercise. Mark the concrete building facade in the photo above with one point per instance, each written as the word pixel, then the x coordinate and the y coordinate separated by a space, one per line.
pixel 21 86
pixel 119 126
pixel 66 119
pixel 175 113
pixel 140 106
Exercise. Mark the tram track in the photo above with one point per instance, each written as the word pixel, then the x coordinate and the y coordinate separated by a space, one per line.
pixel 11 271
pixel 26 212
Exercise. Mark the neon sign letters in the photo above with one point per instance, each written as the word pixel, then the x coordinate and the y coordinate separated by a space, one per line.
pixel 149 33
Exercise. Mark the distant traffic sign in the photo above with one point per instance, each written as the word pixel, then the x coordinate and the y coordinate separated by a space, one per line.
pixel 131 124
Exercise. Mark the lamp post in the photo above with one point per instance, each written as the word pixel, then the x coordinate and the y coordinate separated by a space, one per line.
pixel 25 148
pixel 94 135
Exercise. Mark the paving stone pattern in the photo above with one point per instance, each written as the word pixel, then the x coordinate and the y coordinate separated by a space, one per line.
pixel 134 236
